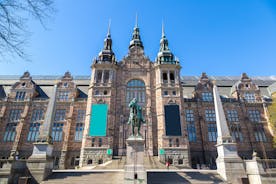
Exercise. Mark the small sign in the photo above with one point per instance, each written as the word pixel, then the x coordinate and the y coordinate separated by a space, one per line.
pixel 109 151
pixel 161 152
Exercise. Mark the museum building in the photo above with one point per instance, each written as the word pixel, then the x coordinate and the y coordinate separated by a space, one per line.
pixel 88 115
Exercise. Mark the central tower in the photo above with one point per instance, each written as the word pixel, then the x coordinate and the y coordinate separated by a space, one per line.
pixel 156 86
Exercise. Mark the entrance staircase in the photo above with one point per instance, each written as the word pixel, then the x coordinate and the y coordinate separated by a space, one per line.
pixel 113 173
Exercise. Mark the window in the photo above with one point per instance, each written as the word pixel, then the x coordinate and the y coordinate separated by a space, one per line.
pixel 96 93
pixel 212 132
pixel 75 161
pixel 63 96
pixel 37 115
pixel 249 97
pixel 232 116
pixel 106 76
pixel 79 131
pixel 191 132
pixel 189 115
pixel 57 132
pixel 207 97
pixel 99 76
pixel 173 93
pixel 105 92
pixel 93 142
pixel 165 93
pixel 172 76
pixel 165 77
pixel 236 132
pixel 15 115
pixel 210 115
pixel 254 116
pixel 136 89
pixel 56 162
pixel 81 116
pixel 177 142
pixel 60 115
pixel 20 95
pixel 89 162
pixel 170 142
pixel 259 133
pixel 10 132
pixel 100 142
pixel 33 131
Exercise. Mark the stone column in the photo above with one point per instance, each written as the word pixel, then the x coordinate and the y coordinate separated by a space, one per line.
pixel 134 168
pixel 229 164
pixel 40 163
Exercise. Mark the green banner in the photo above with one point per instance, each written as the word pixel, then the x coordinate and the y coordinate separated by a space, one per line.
pixel 98 120
pixel 109 151
pixel 161 152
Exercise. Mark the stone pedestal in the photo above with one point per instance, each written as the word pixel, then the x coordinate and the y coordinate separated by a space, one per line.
pixel 134 168
pixel 40 164
pixel 229 165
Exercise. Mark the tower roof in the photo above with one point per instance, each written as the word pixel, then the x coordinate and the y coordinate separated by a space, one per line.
pixel 136 39
pixel 164 54
pixel 107 54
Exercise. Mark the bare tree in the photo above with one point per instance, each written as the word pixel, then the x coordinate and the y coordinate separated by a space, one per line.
pixel 14 15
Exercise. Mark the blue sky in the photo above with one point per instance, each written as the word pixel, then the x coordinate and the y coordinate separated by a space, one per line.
pixel 218 37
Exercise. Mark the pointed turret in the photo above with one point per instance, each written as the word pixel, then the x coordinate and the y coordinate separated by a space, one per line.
pixel 107 55
pixel 136 39
pixel 164 54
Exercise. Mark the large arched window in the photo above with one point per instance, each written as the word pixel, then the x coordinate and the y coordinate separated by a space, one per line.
pixel 136 89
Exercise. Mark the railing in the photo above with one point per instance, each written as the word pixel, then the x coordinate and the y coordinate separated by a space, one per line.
pixel 268 163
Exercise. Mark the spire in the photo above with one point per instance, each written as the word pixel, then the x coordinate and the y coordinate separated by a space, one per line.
pixel 108 30
pixel 164 44
pixel 164 54
pixel 136 39
pixel 107 54
pixel 108 40
pixel 136 23
pixel 163 32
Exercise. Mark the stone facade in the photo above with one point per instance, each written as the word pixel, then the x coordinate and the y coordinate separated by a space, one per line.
pixel 156 84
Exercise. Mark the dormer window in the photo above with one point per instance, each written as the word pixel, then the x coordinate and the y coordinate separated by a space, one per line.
pixel 249 97
pixel 65 84
pixel 20 95
pixel 207 97
pixel 63 96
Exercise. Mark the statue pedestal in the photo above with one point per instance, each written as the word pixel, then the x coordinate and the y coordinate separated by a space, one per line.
pixel 229 165
pixel 134 168
pixel 40 163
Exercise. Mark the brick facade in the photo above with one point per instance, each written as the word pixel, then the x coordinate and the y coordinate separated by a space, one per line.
pixel 156 84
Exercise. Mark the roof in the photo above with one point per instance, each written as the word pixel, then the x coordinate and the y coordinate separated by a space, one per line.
pixel 267 84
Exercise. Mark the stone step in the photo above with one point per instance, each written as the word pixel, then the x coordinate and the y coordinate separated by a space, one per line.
pixel 154 177
pixel 195 177
pixel 85 178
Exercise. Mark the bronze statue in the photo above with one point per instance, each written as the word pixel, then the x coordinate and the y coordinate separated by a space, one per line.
pixel 135 116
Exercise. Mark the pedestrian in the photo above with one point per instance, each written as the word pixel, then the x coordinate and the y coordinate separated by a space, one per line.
pixel 168 165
